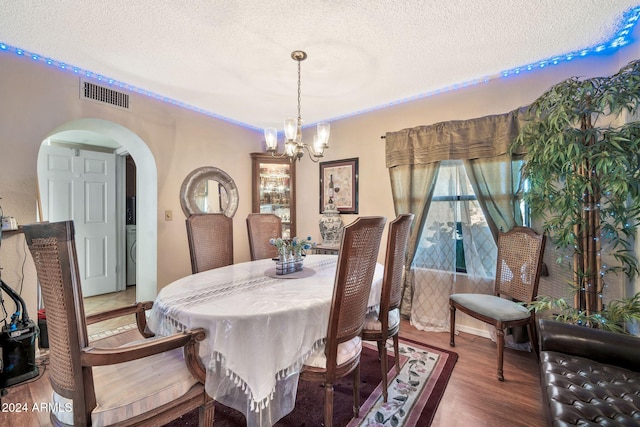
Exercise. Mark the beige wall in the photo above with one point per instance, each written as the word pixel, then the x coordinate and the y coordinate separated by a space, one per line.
pixel 36 99
pixel 359 136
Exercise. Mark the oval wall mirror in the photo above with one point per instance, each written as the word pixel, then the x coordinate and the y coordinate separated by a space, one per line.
pixel 209 190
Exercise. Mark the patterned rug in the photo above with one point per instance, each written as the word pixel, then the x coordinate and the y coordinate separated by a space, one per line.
pixel 414 394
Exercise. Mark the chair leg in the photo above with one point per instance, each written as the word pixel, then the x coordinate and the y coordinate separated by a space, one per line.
pixel 533 336
pixel 356 390
pixel 381 348
pixel 500 345
pixel 452 325
pixel 384 361
pixel 396 353
pixel 328 405
pixel 206 413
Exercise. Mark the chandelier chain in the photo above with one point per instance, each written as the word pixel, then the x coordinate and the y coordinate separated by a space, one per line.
pixel 299 96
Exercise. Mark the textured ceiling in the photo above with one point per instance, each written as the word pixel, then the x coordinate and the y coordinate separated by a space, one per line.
pixel 232 57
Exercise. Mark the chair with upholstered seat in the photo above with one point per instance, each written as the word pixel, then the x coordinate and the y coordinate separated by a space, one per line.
pixel 262 228
pixel 379 326
pixel 354 273
pixel 518 268
pixel 210 238
pixel 150 382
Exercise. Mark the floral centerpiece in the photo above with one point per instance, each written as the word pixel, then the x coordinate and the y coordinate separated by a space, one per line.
pixel 291 253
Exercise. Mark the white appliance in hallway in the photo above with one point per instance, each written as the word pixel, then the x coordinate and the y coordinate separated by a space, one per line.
pixel 131 254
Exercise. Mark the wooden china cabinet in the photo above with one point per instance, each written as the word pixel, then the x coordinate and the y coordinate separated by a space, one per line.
pixel 273 189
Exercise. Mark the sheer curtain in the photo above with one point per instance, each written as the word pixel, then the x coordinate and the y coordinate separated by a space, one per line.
pixel 456 252
pixel 414 158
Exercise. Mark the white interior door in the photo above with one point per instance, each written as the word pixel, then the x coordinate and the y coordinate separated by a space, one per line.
pixel 81 185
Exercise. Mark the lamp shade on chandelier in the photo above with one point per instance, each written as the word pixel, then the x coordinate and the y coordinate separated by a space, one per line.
pixel 294 148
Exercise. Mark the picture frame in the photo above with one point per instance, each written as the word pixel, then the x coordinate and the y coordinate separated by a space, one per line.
pixel 339 182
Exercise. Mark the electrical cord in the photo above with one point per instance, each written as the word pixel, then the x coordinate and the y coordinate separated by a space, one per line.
pixel 24 261
pixel 1 216
pixel 4 311
pixel 22 267
pixel 41 364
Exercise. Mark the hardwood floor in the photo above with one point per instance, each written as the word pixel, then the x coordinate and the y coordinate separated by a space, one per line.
pixel 473 397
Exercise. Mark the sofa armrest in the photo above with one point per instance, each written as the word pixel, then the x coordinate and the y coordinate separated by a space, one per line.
pixel 602 346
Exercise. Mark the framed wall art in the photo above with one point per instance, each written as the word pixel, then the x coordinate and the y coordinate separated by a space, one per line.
pixel 339 184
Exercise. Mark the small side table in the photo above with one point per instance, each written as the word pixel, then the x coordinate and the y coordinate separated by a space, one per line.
pixel 326 250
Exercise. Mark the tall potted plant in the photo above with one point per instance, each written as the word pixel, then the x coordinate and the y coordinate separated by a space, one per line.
pixel 583 171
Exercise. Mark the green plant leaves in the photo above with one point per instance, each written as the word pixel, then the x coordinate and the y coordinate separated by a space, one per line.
pixel 579 160
pixel 612 318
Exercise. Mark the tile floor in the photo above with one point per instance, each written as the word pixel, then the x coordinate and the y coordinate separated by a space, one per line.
pixel 105 302
pixel 110 327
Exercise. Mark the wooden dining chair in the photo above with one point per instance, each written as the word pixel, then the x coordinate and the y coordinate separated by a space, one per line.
pixel 385 323
pixel 210 238
pixel 149 382
pixel 518 268
pixel 261 228
pixel 354 273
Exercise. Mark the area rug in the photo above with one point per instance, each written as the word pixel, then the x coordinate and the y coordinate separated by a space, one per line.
pixel 414 394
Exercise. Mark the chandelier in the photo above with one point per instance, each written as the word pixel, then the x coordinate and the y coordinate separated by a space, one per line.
pixel 294 148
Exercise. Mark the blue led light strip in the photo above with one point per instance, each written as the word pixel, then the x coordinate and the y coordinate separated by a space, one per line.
pixel 115 83
pixel 621 38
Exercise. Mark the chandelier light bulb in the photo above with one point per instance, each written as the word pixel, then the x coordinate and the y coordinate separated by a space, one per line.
pixel 290 129
pixel 318 145
pixel 324 129
pixel 271 139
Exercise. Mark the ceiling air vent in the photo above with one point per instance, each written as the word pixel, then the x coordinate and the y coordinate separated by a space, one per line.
pixel 94 92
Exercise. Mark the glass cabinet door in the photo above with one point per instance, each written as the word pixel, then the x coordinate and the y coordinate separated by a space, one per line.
pixel 274 189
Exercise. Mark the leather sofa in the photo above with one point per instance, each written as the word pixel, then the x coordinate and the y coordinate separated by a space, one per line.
pixel 589 377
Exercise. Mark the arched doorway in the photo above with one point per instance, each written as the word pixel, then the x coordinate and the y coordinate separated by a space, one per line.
pixel 96 132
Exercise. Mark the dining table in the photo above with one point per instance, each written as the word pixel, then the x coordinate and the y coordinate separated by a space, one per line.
pixel 260 327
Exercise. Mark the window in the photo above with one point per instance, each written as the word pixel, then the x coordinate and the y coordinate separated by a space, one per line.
pixel 456 236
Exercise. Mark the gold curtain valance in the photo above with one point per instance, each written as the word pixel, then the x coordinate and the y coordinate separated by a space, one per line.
pixel 482 137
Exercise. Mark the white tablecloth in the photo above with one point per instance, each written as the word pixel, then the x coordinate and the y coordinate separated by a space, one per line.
pixel 259 329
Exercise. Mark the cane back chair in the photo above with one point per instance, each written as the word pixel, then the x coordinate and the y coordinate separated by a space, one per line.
pixel 386 322
pixel 520 252
pixel 149 382
pixel 262 228
pixel 354 273
pixel 210 238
